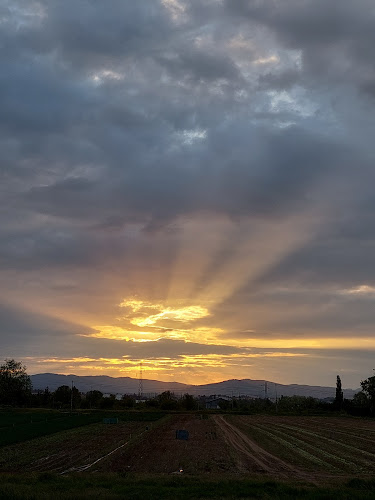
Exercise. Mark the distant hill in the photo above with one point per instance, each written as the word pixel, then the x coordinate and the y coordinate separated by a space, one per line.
pixel 128 385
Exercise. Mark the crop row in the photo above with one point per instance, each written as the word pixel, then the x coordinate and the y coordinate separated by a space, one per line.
pixel 307 447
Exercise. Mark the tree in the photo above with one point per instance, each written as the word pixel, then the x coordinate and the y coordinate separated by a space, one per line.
pixel 15 383
pixel 167 400
pixel 62 395
pixel 65 397
pixel 93 399
pixel 108 402
pixel 368 388
pixel 128 401
pixel 339 399
pixel 188 402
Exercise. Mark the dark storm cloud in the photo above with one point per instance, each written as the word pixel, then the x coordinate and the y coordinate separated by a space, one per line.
pixel 336 38
pixel 125 27
pixel 120 122
pixel 341 252
pixel 130 138
pixel 25 330
pixel 285 168
pixel 197 65
pixel 280 81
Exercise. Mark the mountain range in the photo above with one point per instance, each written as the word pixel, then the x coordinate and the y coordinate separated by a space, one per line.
pixel 234 387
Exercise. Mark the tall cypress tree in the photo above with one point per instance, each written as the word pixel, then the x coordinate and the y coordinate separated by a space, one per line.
pixel 339 399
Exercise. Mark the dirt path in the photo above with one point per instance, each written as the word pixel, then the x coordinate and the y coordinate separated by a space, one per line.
pixel 265 461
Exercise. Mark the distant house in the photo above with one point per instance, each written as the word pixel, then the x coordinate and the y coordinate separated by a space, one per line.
pixel 216 404
pixel 117 396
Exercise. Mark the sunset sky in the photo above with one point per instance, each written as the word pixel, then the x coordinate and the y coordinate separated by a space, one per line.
pixel 189 184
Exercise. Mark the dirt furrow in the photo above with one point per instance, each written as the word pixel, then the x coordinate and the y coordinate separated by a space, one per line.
pixel 268 462
pixel 334 443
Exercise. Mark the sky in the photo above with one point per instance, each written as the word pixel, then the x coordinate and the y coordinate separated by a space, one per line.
pixel 188 185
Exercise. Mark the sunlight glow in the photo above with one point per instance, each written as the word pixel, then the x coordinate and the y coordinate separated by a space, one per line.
pixel 267 60
pixel 185 314
pixel 175 9
pixel 269 244
pixel 361 290
pixel 103 75
pixel 135 305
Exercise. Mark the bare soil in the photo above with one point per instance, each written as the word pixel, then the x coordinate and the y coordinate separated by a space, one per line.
pixel 159 452
pixel 320 446
pixel 252 457
pixel 313 449
pixel 68 449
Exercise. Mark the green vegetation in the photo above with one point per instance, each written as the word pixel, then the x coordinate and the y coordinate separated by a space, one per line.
pixel 46 486
pixel 20 425
pixel 15 390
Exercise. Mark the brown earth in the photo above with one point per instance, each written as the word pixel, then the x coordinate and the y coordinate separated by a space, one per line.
pixel 256 457
pixel 69 449
pixel 321 446
pixel 206 450
pixel 317 449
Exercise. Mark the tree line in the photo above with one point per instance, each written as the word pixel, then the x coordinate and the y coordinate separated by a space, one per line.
pixel 16 391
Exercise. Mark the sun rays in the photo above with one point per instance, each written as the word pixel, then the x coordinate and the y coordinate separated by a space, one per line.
pixel 216 257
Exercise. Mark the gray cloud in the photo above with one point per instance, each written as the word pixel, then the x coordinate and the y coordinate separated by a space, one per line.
pixel 122 125
pixel 336 40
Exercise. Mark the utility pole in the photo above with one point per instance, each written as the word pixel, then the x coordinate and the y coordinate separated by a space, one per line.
pixel 265 390
pixel 71 399
pixel 276 396
pixel 140 387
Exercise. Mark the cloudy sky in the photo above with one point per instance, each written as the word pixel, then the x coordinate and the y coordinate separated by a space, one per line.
pixel 190 184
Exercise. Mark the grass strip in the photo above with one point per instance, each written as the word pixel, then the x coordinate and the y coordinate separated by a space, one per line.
pixel 111 486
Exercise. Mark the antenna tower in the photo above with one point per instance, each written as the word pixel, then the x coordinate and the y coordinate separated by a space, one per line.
pixel 140 387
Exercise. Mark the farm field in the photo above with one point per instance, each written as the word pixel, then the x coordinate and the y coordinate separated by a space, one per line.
pixel 307 447
pixel 20 425
pixel 304 454
pixel 317 449
pixel 159 452
pixel 71 448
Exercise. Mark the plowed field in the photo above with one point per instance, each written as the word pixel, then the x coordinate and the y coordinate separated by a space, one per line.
pixel 317 445
pixel 300 448
pixel 317 449
pixel 68 451
pixel 206 450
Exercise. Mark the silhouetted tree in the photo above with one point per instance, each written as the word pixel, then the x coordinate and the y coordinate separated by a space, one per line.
pixel 63 397
pixel 188 402
pixel 93 399
pixel 368 389
pixel 339 399
pixel 167 400
pixel 108 402
pixel 15 384
pixel 359 405
pixel 41 399
pixel 128 401
pixel 297 404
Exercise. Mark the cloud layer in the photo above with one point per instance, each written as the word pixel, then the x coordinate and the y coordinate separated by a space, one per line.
pixel 215 155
